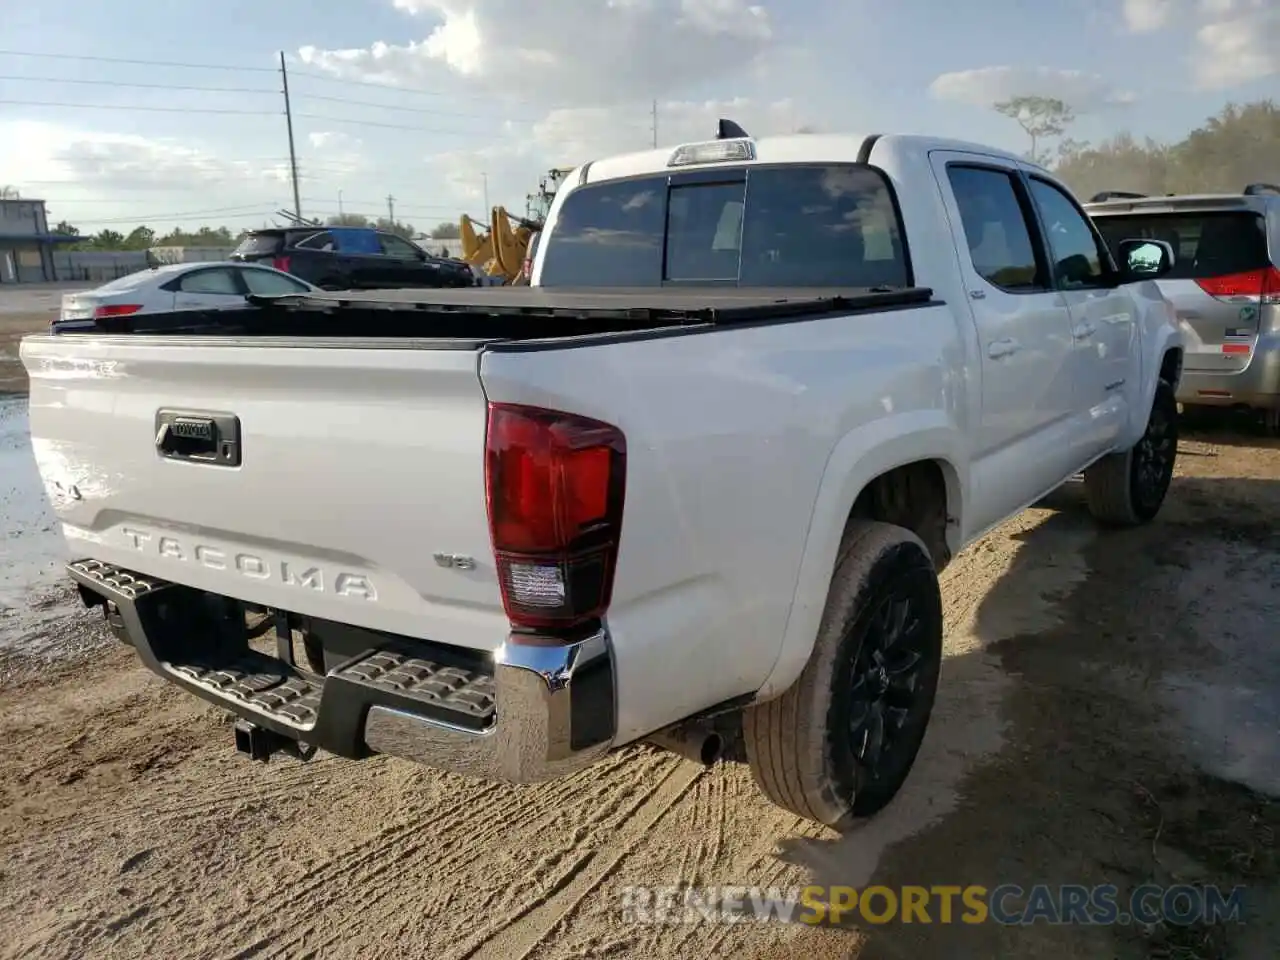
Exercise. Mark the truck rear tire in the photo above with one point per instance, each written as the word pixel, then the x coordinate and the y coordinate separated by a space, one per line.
pixel 839 743
pixel 1127 489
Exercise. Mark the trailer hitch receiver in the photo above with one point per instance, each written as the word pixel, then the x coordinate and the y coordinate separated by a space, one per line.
pixel 259 743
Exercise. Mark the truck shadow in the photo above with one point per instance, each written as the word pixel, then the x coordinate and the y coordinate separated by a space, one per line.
pixel 1107 689
pixel 1226 428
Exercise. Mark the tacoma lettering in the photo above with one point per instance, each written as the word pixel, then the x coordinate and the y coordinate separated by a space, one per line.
pixel 287 572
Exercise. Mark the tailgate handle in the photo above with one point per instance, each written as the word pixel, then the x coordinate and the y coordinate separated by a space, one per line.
pixel 199 437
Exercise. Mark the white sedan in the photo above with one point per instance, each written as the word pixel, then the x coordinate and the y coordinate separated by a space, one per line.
pixel 215 285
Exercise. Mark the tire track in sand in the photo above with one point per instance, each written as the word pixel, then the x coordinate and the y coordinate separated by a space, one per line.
pixel 526 930
pixel 396 873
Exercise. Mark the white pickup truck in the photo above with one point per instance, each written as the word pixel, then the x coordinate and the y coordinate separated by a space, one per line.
pixel 693 486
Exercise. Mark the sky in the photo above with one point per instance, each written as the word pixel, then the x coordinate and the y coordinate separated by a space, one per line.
pixel 444 103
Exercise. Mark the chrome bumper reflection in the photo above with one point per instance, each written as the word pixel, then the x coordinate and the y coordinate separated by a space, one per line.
pixel 555 714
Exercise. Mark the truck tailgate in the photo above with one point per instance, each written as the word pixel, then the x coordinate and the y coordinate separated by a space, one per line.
pixel 357 465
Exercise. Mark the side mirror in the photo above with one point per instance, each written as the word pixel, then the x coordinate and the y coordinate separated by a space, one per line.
pixel 1144 259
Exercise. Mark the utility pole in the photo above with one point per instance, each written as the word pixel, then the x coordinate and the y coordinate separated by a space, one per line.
pixel 293 156
pixel 655 124
pixel 391 209
pixel 339 203
pixel 485 178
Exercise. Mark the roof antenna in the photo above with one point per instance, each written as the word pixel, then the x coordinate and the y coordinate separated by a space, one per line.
pixel 728 130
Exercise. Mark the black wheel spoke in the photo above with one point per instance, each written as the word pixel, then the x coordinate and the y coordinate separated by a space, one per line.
pixel 872 747
pixel 886 682
pixel 902 666
pixel 895 717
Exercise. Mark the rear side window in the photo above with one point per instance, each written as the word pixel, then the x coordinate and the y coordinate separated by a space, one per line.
pixel 257 244
pixel 822 226
pixel 269 284
pixel 210 281
pixel 1205 245
pixel 317 241
pixel 996 228
pixel 793 226
pixel 608 236
pixel 393 246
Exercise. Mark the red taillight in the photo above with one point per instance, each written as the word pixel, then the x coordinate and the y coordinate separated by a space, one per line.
pixel 1264 284
pixel 555 485
pixel 281 264
pixel 115 310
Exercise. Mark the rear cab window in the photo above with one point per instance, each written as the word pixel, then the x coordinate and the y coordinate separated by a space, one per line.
pixel 1206 245
pixel 798 225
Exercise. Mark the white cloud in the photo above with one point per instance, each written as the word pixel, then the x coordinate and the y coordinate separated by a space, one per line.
pixel 989 85
pixel 1236 41
pixel 563 51
pixel 1147 16
pixel 569 137
pixel 91 160
pixel 1242 48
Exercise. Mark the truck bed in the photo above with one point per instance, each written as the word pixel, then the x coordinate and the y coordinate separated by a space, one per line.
pixel 481 314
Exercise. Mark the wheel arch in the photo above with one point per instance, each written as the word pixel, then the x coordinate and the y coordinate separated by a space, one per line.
pixel 1159 352
pixel 921 444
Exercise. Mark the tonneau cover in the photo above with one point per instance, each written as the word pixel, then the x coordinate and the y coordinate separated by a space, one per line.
pixel 700 304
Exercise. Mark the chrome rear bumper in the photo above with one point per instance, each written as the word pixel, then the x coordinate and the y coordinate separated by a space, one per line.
pixel 522 714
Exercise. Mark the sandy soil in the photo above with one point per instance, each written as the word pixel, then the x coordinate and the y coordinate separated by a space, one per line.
pixel 1109 712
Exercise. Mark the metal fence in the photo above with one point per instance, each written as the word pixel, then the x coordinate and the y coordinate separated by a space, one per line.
pixel 102 266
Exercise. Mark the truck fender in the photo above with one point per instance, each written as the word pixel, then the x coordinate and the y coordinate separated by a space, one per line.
pixel 858 458
pixel 1158 333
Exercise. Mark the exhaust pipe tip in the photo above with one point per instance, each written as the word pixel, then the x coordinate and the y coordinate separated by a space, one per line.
pixel 712 748
pixel 700 744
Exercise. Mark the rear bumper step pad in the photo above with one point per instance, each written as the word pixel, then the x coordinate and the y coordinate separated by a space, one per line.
pixel 524 714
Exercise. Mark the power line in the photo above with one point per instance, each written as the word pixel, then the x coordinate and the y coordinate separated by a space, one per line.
pixel 387 126
pixel 195 213
pixel 379 205
pixel 177 64
pixel 143 219
pixel 436 131
pixel 139 63
pixel 392 106
pixel 143 86
pixel 417 91
pixel 151 109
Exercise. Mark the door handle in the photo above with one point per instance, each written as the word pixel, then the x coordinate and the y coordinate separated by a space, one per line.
pixel 1002 348
pixel 1084 330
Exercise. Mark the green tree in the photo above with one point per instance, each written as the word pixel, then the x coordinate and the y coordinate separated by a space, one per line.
pixel 140 238
pixel 1235 147
pixel 108 240
pixel 348 220
pixel 64 229
pixel 1039 117
pixel 445 231
pixel 395 226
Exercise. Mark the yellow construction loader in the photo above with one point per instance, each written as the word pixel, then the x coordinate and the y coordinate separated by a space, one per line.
pixel 500 249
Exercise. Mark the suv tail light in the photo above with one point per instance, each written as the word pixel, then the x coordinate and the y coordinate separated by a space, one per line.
pixel 115 310
pixel 1263 284
pixel 555 485
pixel 281 264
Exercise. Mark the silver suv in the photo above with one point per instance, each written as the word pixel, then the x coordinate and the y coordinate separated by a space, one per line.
pixel 1225 285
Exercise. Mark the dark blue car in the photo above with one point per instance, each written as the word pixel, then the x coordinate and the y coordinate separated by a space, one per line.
pixel 351 258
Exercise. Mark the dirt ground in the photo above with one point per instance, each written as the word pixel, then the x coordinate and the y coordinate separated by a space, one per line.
pixel 1109 712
